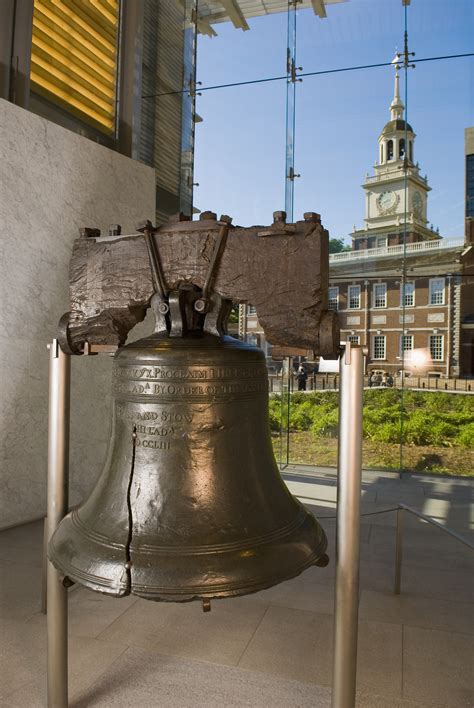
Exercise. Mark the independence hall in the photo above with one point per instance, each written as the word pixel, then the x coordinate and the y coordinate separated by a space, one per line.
pixel 402 290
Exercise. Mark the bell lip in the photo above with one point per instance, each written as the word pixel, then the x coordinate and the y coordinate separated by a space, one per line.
pixel 239 591
pixel 121 587
pixel 123 590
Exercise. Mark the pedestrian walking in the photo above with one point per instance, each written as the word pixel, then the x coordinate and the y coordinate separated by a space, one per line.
pixel 302 377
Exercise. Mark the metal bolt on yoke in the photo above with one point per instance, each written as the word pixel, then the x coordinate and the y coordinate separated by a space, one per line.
pixel 279 216
pixel 143 226
pixel 89 232
pixel 208 216
pixel 312 216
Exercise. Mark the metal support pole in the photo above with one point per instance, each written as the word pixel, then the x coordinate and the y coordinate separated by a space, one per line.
pixel 398 552
pixel 44 581
pixel 58 482
pixel 346 609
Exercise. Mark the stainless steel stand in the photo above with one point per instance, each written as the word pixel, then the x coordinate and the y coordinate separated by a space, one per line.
pixel 58 484
pixel 346 609
pixel 347 540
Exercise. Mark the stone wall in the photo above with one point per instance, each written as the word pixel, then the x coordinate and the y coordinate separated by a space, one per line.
pixel 52 182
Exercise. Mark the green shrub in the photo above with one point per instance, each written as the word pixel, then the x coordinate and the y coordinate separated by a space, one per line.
pixel 274 411
pixel 302 416
pixel 440 419
pixel 465 436
pixel 326 425
pixel 388 432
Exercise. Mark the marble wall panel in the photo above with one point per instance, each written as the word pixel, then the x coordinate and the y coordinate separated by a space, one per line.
pixel 52 182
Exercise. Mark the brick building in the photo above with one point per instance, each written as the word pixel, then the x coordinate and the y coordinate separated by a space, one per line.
pixel 402 290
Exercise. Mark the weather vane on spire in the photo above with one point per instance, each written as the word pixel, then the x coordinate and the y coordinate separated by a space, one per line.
pixel 405 57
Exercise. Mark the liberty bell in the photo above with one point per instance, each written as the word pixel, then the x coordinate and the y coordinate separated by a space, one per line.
pixel 190 504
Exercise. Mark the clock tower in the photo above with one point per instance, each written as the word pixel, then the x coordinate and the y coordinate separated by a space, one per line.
pixel 388 194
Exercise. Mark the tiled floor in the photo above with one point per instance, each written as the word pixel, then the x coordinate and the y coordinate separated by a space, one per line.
pixel 273 648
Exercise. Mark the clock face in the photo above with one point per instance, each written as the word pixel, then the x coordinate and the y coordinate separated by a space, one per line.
pixel 386 201
pixel 417 202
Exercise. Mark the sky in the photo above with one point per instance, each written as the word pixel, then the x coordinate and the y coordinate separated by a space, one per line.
pixel 240 145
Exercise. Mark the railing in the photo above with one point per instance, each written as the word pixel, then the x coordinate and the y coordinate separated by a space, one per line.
pixel 384 251
pixel 399 539
pixel 400 509
pixel 383 177
pixel 330 382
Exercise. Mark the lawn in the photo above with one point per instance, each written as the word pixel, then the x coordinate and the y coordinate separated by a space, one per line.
pixel 437 430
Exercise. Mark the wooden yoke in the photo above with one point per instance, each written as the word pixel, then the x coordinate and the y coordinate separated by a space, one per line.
pixel 282 269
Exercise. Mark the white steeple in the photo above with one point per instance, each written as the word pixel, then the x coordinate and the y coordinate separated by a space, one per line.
pixel 396 141
pixel 397 106
pixel 396 191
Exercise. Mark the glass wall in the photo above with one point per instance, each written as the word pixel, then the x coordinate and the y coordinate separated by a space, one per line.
pixel 365 117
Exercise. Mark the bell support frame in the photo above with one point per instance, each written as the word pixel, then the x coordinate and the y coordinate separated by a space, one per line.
pixel 348 525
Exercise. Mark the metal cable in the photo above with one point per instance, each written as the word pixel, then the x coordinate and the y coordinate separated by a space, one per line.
pixel 304 75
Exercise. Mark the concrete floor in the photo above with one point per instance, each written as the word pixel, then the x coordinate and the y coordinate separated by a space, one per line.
pixel 273 648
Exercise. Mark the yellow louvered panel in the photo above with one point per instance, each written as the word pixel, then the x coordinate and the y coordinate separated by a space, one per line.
pixel 74 57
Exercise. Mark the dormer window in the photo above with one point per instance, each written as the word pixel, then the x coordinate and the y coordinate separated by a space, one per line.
pixel 390 150
pixel 401 148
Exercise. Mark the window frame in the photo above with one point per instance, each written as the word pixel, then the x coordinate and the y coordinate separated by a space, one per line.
pixel 71 108
pixel 374 296
pixel 403 349
pixel 441 338
pixel 349 306
pixel 374 347
pixel 336 300
pixel 351 337
pixel 403 294
pixel 390 150
pixel 430 292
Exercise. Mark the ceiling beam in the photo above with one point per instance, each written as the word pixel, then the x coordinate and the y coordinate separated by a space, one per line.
pixel 205 28
pixel 319 8
pixel 235 14
pixel 202 26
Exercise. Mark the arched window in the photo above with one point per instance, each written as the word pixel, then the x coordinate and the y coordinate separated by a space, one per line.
pixel 381 153
pixel 390 150
pixel 401 148
pixel 410 148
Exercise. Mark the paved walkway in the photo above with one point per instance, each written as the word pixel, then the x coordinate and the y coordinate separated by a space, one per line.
pixel 272 649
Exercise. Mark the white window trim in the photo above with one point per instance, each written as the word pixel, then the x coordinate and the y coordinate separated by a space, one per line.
pixel 336 288
pixel 352 337
pixel 379 307
pixel 442 346
pixel 384 357
pixel 349 297
pixel 436 280
pixel 402 351
pixel 402 294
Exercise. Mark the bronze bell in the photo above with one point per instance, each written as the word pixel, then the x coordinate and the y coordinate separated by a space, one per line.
pixel 190 504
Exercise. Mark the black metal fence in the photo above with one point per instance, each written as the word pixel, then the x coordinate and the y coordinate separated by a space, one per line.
pixel 330 382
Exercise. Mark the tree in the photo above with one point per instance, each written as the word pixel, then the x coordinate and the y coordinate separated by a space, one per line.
pixel 337 245
pixel 234 314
